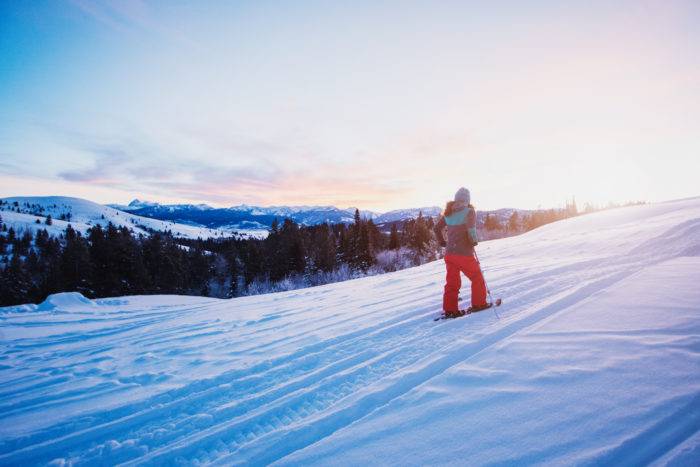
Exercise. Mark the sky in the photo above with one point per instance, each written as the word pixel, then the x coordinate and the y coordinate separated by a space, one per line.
pixel 378 104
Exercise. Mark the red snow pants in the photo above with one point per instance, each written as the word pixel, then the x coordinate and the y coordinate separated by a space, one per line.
pixel 468 265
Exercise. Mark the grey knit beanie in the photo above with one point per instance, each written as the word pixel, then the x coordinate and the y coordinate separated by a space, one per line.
pixel 463 195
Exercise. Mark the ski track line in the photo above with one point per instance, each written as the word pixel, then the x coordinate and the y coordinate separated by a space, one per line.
pixel 187 395
pixel 278 445
pixel 431 300
pixel 657 440
pixel 306 354
pixel 187 398
pixel 198 335
pixel 406 316
pixel 301 437
pixel 331 319
pixel 179 329
pixel 31 405
pixel 380 328
pixel 72 337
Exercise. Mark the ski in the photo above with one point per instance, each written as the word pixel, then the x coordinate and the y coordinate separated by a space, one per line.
pixel 469 311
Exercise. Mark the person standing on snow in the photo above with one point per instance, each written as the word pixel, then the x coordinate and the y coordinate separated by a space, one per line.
pixel 460 219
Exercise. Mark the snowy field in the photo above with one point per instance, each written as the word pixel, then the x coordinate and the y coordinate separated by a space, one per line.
pixel 595 360
pixel 86 214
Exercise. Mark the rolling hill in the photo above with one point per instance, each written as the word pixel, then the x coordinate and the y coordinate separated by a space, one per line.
pixel 22 212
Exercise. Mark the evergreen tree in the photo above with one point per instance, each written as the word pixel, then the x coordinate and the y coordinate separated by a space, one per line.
pixel 219 284
pixel 235 270
pixel 325 252
pixel 253 262
pixel 492 223
pixel 126 261
pixel 376 239
pixel 419 235
pixel 394 238
pixel 513 222
pixel 292 249
pixel 100 260
pixel 15 283
pixel 75 265
pixel 164 263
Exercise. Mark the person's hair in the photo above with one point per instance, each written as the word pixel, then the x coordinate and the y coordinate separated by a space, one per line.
pixel 450 208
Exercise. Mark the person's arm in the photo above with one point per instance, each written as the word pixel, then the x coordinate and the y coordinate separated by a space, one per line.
pixel 438 231
pixel 471 227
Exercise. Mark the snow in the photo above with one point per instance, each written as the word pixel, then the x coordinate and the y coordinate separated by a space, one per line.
pixel 86 214
pixel 595 360
pixel 62 301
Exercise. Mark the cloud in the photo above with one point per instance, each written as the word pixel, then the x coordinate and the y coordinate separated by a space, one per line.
pixel 108 164
pixel 128 17
pixel 132 167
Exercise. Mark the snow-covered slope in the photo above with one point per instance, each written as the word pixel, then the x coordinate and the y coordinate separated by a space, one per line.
pixel 595 360
pixel 83 214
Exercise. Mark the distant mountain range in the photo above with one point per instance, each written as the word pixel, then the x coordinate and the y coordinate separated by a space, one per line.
pixel 257 217
pixel 195 220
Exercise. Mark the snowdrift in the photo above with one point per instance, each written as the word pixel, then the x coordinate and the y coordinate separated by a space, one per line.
pixel 595 360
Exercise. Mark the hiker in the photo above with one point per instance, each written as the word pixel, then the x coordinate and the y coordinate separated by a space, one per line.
pixel 460 219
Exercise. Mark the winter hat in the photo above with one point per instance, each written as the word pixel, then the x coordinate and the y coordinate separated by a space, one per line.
pixel 463 195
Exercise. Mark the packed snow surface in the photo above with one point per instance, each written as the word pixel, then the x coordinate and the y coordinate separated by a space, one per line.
pixel 595 360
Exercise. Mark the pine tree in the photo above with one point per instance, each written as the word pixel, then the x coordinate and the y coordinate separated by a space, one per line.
pixel 325 257
pixel 376 239
pixel 394 238
pixel 364 257
pixel 75 266
pixel 492 223
pixel 513 222
pixel 419 235
pixel 126 261
pixel 99 258
pixel 15 283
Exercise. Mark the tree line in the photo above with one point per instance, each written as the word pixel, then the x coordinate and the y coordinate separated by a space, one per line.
pixel 113 261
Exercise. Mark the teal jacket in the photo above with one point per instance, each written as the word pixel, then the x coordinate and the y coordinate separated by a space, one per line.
pixel 461 231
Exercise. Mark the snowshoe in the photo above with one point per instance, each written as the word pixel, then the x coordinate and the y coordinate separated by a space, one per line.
pixel 468 311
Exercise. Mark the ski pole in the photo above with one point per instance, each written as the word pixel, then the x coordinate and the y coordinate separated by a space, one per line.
pixel 493 305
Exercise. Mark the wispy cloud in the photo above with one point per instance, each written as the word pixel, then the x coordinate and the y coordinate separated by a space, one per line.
pixel 384 107
pixel 108 163
pixel 130 16
pixel 130 167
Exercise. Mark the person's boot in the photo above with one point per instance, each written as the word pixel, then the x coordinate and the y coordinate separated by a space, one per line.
pixel 454 314
pixel 474 309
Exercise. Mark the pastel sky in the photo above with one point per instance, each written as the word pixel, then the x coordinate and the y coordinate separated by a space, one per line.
pixel 376 104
